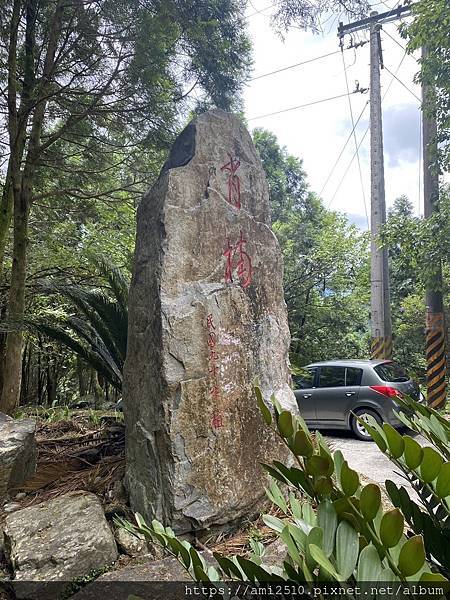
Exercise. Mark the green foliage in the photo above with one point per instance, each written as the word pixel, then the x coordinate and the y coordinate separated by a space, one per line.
pixel 335 529
pixel 90 322
pixel 326 277
pixel 430 28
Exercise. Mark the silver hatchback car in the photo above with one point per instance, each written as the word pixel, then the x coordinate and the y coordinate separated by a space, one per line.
pixel 330 393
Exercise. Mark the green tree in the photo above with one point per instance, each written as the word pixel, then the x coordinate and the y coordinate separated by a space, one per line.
pixel 325 262
pixel 88 88
pixel 430 29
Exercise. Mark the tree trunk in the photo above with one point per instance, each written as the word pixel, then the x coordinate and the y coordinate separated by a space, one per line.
pixel 22 191
pixel 82 390
pixel 12 375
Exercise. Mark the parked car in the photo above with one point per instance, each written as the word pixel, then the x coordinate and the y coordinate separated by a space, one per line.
pixel 330 393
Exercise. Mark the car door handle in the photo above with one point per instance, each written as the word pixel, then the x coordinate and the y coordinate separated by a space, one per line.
pixel 307 395
pixel 348 394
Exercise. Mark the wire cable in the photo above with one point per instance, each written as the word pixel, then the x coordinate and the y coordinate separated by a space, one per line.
pixel 305 62
pixel 343 148
pixel 356 142
pixel 364 136
pixel 394 40
pixel 403 84
pixel 284 110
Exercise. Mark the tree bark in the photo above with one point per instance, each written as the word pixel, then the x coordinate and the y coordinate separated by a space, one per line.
pixel 22 190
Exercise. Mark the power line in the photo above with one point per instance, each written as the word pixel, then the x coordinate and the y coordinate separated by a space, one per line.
pixel 259 12
pixel 394 40
pixel 356 143
pixel 305 62
pixel 363 137
pixel 302 106
pixel 344 147
pixel 403 84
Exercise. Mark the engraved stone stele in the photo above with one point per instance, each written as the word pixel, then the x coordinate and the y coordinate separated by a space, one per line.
pixel 206 316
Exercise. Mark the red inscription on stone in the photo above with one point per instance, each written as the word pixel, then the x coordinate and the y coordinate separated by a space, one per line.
pixel 217 420
pixel 234 183
pixel 244 263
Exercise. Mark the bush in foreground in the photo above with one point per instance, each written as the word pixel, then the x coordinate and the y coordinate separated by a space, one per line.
pixel 334 528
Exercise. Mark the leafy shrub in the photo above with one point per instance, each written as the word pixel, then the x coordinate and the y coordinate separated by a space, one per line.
pixel 333 527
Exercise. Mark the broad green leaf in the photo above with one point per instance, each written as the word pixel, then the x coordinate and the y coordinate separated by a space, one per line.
pixel 285 535
pixel 317 465
pixel 327 521
pixel 276 405
pixel 308 514
pixel 200 574
pixel 369 564
pixel 412 556
pixel 253 571
pixel 298 534
pixel 443 481
pixel 391 527
pixel 296 506
pixel 274 494
pixel 178 548
pixel 323 485
pixel 370 501
pixel 347 549
pixel 434 577
pixel 349 479
pixel 431 464
pixel 284 423
pixel 413 452
pixel 274 523
pixel 274 473
pixel 319 556
pixel 213 574
pixel 338 461
pixel 377 433
pixel 267 415
pixel 227 565
pixel 394 440
pixel 302 445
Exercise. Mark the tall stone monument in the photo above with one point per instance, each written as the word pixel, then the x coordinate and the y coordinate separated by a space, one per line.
pixel 206 316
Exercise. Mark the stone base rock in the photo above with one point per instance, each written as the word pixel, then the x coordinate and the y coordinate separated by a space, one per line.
pixel 206 316
pixel 145 578
pixel 17 452
pixel 57 541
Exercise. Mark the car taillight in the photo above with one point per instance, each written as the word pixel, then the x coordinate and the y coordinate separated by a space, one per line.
pixel 387 390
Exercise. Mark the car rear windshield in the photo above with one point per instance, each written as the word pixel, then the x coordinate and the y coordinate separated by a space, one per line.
pixel 391 372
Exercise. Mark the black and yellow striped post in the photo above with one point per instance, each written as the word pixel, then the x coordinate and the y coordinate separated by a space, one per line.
pixel 381 347
pixel 436 360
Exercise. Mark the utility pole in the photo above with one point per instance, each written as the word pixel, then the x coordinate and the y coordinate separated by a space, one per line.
pixel 381 322
pixel 435 327
pixel 381 346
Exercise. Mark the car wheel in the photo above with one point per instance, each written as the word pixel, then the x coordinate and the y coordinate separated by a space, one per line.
pixel 359 429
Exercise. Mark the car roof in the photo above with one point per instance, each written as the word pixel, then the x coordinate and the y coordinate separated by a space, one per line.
pixel 349 363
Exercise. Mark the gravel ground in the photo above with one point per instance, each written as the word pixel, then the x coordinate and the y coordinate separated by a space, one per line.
pixel 366 458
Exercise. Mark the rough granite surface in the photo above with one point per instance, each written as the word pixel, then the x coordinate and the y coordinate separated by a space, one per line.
pixel 17 452
pixel 206 316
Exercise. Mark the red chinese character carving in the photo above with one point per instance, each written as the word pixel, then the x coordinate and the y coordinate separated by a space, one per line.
pixel 215 392
pixel 213 355
pixel 210 322
pixel 229 266
pixel 213 369
pixel 211 339
pixel 244 264
pixel 217 420
pixel 234 183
